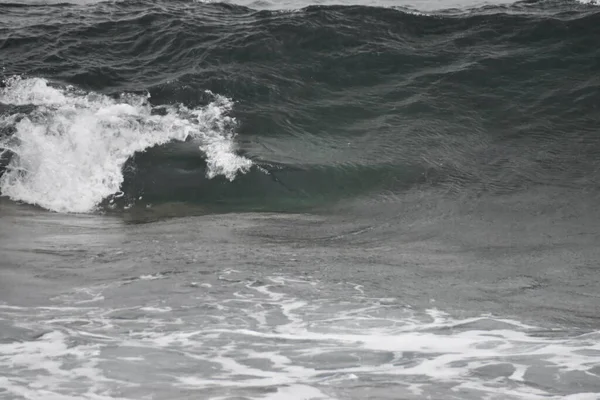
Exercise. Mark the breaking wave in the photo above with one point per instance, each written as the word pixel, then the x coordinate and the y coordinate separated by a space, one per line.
pixel 68 153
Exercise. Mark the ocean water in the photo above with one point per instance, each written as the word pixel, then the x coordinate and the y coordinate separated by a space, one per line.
pixel 299 200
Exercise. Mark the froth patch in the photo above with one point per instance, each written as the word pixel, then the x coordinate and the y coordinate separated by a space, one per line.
pixel 282 338
pixel 68 153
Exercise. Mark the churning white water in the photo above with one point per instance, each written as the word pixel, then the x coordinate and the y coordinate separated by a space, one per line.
pixel 68 153
pixel 259 342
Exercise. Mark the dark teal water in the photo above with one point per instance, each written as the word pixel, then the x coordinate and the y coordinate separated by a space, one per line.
pixel 331 102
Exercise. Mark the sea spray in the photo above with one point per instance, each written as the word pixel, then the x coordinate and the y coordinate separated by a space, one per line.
pixel 68 153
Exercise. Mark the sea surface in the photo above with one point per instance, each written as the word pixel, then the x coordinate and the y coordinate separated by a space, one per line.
pixel 299 200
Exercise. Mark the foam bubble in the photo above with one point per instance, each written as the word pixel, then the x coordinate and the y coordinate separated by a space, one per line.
pixel 69 152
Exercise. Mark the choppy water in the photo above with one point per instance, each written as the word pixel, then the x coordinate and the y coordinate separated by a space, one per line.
pixel 284 200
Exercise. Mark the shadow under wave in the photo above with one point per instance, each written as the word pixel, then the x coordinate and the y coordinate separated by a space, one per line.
pixel 167 181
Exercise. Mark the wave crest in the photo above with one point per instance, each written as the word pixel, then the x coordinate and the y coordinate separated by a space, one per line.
pixel 68 153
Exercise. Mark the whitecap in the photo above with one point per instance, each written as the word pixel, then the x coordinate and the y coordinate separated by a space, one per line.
pixel 68 153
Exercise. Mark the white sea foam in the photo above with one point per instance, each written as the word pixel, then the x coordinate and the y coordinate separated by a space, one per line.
pixel 259 340
pixel 69 152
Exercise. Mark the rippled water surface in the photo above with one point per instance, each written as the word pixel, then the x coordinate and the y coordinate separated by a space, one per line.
pixel 287 200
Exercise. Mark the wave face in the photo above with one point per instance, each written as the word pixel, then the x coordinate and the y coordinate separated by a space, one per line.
pixel 133 104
